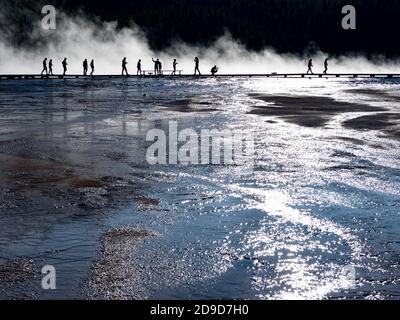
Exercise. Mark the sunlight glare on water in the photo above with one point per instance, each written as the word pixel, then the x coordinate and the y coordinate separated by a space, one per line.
pixel 315 218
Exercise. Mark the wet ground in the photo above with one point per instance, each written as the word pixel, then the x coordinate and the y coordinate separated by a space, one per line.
pixel 76 191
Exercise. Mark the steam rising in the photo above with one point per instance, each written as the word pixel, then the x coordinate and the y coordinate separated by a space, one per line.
pixel 78 38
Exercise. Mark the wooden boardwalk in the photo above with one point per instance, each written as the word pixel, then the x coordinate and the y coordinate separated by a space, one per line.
pixel 182 76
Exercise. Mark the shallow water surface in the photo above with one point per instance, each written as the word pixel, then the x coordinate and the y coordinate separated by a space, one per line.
pixel 315 218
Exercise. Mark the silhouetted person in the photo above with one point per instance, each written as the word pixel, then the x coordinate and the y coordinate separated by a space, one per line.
pixel 326 65
pixel 124 69
pixel 196 67
pixel 139 68
pixel 214 70
pixel 174 64
pixel 51 67
pixel 159 67
pixel 156 66
pixel 92 67
pixel 44 67
pixel 64 64
pixel 310 65
pixel 85 67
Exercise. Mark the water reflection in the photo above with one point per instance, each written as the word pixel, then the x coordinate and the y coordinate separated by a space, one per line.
pixel 323 198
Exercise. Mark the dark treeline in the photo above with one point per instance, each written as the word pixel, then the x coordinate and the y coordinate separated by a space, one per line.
pixel 286 25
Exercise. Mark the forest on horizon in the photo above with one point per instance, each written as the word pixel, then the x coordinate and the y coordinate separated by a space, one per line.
pixel 289 26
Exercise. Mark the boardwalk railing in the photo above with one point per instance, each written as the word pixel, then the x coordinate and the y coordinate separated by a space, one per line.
pixel 167 74
pixel 163 72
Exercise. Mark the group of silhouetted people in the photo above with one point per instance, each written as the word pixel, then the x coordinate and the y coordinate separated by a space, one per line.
pixel 45 70
pixel 310 66
pixel 49 71
pixel 48 68
pixel 157 67
pixel 85 67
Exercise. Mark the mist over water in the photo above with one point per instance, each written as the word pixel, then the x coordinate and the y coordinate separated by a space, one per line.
pixel 78 38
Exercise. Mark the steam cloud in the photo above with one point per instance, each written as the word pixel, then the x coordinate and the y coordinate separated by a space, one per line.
pixel 78 38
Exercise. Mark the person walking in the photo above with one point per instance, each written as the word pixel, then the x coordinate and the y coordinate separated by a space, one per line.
pixel 139 68
pixel 310 66
pixel 64 64
pixel 92 67
pixel 51 67
pixel 124 69
pixel 326 66
pixel 174 64
pixel 196 67
pixel 85 67
pixel 44 67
